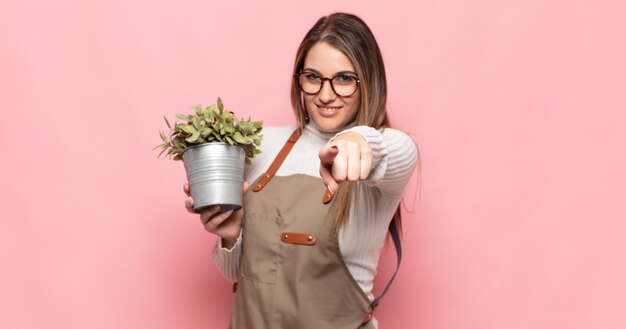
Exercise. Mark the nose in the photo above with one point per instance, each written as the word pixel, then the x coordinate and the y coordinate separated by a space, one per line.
pixel 327 94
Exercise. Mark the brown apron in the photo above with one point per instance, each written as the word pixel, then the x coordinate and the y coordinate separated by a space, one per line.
pixel 292 274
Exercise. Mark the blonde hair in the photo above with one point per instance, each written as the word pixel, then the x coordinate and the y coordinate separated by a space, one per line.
pixel 349 34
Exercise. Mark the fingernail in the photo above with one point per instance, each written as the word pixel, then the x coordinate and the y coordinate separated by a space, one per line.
pixel 229 212
pixel 329 189
pixel 334 147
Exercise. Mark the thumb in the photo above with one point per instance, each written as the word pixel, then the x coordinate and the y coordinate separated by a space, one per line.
pixel 327 155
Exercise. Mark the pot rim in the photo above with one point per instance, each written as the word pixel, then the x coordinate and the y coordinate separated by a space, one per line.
pixel 210 143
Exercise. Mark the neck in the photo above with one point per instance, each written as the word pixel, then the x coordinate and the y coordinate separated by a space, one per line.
pixel 313 128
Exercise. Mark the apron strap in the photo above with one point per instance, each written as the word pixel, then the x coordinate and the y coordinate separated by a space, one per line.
pixel 395 236
pixel 271 171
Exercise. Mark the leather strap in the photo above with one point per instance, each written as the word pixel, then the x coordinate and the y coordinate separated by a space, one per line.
pixel 395 236
pixel 298 238
pixel 328 196
pixel 271 171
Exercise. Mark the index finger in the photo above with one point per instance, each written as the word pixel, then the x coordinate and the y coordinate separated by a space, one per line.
pixel 327 178
pixel 327 154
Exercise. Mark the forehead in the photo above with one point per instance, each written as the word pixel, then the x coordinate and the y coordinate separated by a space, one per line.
pixel 327 59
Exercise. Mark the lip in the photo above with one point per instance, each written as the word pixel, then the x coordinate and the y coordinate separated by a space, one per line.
pixel 328 111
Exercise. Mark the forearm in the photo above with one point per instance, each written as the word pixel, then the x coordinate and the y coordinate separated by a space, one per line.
pixel 394 157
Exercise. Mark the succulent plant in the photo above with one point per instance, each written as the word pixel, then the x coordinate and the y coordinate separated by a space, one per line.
pixel 211 124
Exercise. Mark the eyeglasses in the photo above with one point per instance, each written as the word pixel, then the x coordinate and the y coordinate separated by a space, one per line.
pixel 342 84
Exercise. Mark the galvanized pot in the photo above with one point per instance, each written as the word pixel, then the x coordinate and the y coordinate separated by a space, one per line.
pixel 215 175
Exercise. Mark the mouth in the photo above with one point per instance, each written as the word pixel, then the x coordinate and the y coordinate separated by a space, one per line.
pixel 328 111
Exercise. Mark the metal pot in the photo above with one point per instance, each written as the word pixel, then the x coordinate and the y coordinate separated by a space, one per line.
pixel 215 175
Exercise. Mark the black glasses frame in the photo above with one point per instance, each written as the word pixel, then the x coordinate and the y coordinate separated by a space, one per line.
pixel 330 80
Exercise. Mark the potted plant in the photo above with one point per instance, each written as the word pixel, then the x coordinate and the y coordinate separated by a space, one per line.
pixel 215 146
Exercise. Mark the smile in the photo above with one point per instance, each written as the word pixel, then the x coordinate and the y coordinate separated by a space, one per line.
pixel 328 110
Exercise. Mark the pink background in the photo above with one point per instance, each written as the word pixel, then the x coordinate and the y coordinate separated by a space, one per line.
pixel 518 108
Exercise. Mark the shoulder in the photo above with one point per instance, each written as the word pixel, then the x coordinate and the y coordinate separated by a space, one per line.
pixel 398 139
pixel 273 139
pixel 279 130
pixel 275 136
pixel 404 155
pixel 395 134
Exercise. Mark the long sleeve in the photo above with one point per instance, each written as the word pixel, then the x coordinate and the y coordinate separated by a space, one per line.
pixel 394 157
pixel 227 260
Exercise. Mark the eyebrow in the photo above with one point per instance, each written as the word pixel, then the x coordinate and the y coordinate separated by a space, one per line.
pixel 336 74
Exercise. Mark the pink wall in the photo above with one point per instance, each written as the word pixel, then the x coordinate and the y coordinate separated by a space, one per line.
pixel 518 108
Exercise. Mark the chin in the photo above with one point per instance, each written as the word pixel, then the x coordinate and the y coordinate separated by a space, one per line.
pixel 328 126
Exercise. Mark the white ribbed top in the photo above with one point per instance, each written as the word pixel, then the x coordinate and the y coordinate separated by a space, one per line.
pixel 361 240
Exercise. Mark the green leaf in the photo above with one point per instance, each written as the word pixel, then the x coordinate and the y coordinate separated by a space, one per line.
pixel 193 138
pixel 220 105
pixel 212 108
pixel 198 109
pixel 206 131
pixel 188 129
pixel 217 136
pixel 246 128
pixel 167 122
pixel 183 117
pixel 196 122
pixel 239 138
pixel 178 141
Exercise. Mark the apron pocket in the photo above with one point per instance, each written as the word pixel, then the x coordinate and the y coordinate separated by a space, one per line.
pixel 261 246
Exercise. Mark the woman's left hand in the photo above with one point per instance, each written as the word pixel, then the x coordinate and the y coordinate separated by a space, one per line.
pixel 347 158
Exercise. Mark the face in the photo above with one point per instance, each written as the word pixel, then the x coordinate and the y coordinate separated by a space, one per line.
pixel 329 111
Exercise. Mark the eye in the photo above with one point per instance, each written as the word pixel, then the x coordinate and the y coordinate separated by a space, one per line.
pixel 344 79
pixel 311 76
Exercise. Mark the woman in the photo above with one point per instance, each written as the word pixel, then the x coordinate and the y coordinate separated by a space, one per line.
pixel 304 250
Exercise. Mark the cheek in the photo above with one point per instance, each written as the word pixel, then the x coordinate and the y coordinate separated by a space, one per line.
pixel 354 105
pixel 308 101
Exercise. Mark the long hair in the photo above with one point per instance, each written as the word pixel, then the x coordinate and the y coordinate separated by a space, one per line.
pixel 349 34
